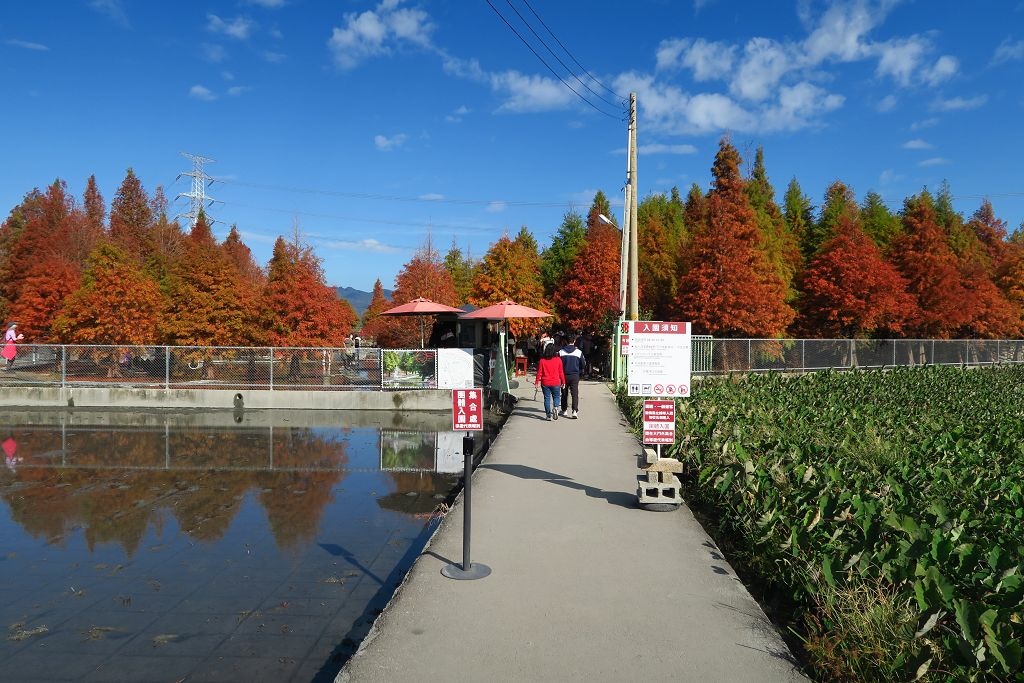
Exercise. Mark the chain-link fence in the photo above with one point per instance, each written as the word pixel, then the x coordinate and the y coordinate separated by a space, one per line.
pixel 186 367
pixel 711 356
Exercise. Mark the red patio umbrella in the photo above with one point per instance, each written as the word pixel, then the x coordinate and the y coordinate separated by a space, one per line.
pixel 504 310
pixel 421 306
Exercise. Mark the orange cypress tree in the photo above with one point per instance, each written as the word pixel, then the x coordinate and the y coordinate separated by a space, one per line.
pixel 849 290
pixel 130 218
pixel 589 296
pixel 114 305
pixel 299 309
pixel 373 323
pixel 511 270
pixel 211 305
pixel 925 259
pixel 423 276
pixel 730 288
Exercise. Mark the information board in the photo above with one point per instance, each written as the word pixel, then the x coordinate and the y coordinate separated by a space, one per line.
pixel 624 339
pixel 659 358
pixel 467 409
pixel 659 421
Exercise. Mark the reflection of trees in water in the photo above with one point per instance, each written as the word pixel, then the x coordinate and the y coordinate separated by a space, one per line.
pixel 406 450
pixel 118 505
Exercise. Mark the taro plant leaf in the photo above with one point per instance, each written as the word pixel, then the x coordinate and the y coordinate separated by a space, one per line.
pixel 929 624
pixel 966 617
pixel 826 570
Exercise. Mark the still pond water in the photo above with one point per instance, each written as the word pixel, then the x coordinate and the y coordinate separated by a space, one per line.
pixel 209 546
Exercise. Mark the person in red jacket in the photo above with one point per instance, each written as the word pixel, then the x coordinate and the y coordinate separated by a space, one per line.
pixel 550 378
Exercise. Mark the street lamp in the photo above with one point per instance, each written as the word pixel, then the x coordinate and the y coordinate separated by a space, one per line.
pixel 616 370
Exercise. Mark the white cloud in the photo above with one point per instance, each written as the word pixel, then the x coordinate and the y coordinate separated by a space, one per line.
pixel 456 116
pixel 274 57
pixel 924 123
pixel 660 148
pixel 431 197
pixel 237 90
pixel 239 28
pixel 841 31
pixel 227 75
pixel 900 58
pixel 706 59
pixel 26 45
pixel 934 161
pixel 113 9
pixel 377 32
pixel 917 143
pixel 496 207
pixel 268 4
pixel 213 53
pixel 762 66
pixel 530 93
pixel 945 67
pixel 798 106
pixel 1008 51
pixel 201 92
pixel 889 176
pixel 386 144
pixel 368 244
pixel 887 103
pixel 960 103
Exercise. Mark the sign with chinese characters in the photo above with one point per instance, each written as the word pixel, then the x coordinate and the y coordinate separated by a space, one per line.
pixel 659 359
pixel 467 409
pixel 624 339
pixel 659 421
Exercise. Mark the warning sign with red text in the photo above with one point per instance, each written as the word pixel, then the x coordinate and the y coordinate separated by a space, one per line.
pixel 467 409
pixel 659 359
pixel 659 422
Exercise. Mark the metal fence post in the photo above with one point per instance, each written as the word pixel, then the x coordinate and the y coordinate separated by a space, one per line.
pixel 803 355
pixel 63 366
pixel 750 362
pixel 167 367
pixel 271 368
pixel 894 353
pixel 933 352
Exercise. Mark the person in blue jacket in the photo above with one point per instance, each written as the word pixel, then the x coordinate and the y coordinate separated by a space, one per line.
pixel 573 364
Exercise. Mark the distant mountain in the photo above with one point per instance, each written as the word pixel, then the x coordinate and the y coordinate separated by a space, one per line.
pixel 359 299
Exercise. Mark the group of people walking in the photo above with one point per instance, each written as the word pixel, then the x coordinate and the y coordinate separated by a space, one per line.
pixel 559 369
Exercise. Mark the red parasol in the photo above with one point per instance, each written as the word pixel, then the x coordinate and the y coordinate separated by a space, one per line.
pixel 421 306
pixel 504 310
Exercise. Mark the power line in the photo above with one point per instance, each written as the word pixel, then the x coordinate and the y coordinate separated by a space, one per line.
pixel 553 72
pixel 548 48
pixel 393 198
pixel 198 199
pixel 622 100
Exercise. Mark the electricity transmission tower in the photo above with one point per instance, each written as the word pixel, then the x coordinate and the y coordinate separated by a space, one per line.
pixel 198 199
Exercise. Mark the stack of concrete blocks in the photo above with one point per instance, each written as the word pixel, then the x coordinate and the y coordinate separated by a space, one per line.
pixel 657 482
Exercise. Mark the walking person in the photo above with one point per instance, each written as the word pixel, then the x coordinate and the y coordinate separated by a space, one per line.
pixel 573 364
pixel 550 378
pixel 11 336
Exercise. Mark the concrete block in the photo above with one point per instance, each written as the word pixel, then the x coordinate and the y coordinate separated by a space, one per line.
pixel 661 492
pixel 650 455
pixel 662 465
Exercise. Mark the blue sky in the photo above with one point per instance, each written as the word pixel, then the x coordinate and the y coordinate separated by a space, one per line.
pixel 371 123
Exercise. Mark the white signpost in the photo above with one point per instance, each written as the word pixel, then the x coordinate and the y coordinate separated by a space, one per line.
pixel 659 359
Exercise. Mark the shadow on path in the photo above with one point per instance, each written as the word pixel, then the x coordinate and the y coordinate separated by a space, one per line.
pixel 620 498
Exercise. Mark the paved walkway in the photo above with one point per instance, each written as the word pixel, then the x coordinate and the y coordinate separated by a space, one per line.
pixel 586 586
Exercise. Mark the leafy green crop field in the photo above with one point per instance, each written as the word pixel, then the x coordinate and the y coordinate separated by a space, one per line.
pixel 886 509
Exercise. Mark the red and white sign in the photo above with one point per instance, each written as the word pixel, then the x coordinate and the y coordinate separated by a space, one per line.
pixel 659 422
pixel 624 339
pixel 659 358
pixel 467 409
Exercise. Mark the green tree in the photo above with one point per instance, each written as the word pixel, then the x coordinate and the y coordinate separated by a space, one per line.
pixel 878 222
pixel 780 244
pixel 839 202
pixel 565 244
pixel 461 269
pixel 798 212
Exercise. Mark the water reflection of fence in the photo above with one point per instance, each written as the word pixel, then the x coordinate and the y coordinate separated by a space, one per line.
pixel 269 368
pixel 711 356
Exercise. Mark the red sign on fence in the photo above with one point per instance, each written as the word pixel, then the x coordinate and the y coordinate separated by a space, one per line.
pixel 659 421
pixel 467 409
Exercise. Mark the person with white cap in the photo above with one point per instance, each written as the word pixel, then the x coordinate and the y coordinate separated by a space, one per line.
pixel 10 351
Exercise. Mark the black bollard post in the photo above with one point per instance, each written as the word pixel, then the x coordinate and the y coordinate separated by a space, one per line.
pixel 468 570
